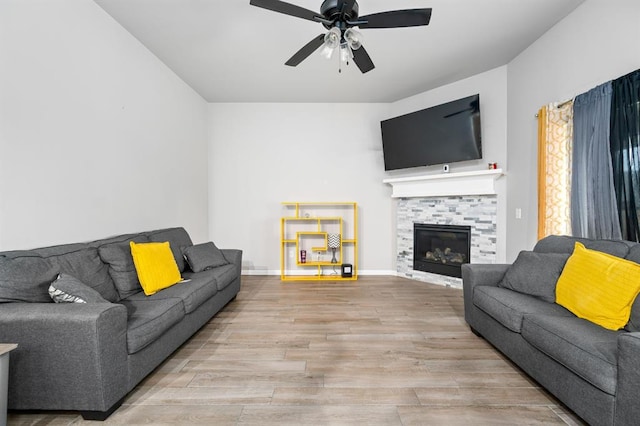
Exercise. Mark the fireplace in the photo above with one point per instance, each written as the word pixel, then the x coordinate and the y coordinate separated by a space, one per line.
pixel 441 249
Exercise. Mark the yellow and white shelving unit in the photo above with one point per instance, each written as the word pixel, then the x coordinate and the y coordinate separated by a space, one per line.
pixel 307 226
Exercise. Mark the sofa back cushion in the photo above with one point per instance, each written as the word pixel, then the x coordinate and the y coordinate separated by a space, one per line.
pixel 117 254
pixel 565 244
pixel 83 262
pixel 178 239
pixel 25 276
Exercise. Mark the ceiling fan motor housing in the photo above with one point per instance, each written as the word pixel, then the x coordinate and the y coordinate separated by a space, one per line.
pixel 330 10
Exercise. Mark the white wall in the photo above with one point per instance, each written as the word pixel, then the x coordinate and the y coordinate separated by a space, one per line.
pixel 264 154
pixel 596 43
pixel 492 87
pixel 97 136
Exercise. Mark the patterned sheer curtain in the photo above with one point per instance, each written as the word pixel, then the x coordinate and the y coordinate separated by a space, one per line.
pixel 555 134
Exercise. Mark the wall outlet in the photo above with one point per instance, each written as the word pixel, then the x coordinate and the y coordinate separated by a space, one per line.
pixel 518 213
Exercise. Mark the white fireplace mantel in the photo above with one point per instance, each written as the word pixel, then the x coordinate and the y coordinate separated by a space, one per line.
pixel 479 182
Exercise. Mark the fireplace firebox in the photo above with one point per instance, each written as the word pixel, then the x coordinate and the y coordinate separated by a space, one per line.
pixel 441 249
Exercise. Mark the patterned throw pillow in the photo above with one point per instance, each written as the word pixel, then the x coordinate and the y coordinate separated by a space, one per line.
pixel 67 289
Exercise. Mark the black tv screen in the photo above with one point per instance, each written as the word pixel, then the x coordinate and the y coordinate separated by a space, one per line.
pixel 441 134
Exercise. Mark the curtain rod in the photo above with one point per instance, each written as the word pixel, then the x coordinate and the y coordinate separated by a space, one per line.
pixel 560 105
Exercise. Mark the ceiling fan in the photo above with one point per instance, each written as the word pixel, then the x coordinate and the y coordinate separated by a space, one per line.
pixel 340 17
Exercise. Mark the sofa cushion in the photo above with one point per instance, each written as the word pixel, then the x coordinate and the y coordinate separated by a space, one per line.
pixel 599 287
pixel 155 266
pixel 121 268
pixel 25 277
pixel 508 307
pixel 535 274
pixel 587 349
pixel 178 239
pixel 201 257
pixel 148 319
pixel 84 263
pixel 68 289
pixel 222 275
pixel 566 244
pixel 193 292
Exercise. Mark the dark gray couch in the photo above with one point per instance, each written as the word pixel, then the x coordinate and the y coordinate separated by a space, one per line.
pixel 594 371
pixel 87 356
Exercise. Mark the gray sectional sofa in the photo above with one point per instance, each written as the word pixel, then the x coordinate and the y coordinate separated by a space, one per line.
pixel 87 356
pixel 593 370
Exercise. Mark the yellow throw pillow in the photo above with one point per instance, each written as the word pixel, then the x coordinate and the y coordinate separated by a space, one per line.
pixel 598 287
pixel 155 265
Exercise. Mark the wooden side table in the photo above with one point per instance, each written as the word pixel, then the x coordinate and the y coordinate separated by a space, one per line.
pixel 5 348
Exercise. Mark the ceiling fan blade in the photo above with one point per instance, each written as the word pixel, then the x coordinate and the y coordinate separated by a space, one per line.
pixel 396 19
pixel 307 50
pixel 287 9
pixel 362 60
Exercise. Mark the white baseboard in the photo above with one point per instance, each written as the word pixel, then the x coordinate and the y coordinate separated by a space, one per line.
pixel 379 272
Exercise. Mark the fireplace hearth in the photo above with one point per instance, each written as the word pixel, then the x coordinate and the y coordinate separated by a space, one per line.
pixel 441 249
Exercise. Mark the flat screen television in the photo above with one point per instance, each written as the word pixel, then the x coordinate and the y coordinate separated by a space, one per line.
pixel 442 134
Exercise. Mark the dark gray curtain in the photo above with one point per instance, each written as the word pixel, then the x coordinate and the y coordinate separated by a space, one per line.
pixel 594 212
pixel 625 151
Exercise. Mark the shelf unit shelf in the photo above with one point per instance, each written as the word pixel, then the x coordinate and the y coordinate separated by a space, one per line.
pixel 301 228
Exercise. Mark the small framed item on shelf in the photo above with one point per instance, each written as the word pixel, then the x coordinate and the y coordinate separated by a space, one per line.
pixel 347 270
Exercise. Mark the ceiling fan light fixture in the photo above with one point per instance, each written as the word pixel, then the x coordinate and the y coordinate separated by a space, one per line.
pixel 327 52
pixel 332 38
pixel 331 42
pixel 345 52
pixel 354 38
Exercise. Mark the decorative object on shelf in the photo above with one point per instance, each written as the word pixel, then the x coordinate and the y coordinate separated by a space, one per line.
pixel 334 243
pixel 347 270
pixel 303 256
pixel 493 166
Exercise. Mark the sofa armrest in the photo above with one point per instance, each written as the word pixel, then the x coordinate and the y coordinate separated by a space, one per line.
pixel 70 356
pixel 234 256
pixel 474 274
pixel 627 409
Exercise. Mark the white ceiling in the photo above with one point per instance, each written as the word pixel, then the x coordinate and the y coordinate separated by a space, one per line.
pixel 230 51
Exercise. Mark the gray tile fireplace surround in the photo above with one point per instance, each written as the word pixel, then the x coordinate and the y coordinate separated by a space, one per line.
pixel 477 211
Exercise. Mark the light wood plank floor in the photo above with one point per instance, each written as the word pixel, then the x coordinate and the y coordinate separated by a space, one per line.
pixel 378 351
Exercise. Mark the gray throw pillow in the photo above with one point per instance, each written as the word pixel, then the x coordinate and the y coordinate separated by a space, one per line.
pixel 201 257
pixel 535 274
pixel 25 277
pixel 67 289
